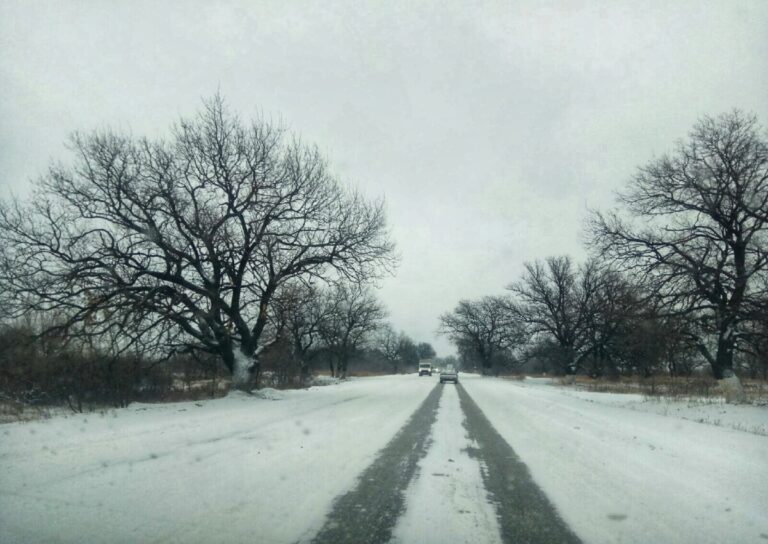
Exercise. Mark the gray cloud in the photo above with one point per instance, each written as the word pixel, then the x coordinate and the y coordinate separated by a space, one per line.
pixel 488 128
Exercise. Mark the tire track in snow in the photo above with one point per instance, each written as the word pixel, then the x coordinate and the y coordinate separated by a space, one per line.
pixel 447 502
pixel 367 514
pixel 524 512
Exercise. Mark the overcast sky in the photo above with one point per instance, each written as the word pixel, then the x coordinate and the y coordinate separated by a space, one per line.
pixel 489 127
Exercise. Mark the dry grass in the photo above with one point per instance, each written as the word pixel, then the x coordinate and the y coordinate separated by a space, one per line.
pixel 12 411
pixel 667 386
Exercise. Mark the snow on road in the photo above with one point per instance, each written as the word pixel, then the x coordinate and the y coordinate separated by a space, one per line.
pixel 246 469
pixel 447 501
pixel 238 469
pixel 622 475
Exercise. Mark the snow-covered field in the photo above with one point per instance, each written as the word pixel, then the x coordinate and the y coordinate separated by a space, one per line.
pixel 238 469
pixel 621 470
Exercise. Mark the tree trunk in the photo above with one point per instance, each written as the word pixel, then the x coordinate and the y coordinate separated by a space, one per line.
pixel 723 360
pixel 722 368
pixel 214 383
pixel 672 365
pixel 343 367
pixel 567 360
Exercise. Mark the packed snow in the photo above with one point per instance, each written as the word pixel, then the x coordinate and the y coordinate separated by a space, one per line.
pixel 447 501
pixel 237 469
pixel 620 474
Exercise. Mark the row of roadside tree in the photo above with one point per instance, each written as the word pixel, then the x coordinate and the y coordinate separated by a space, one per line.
pixel 677 278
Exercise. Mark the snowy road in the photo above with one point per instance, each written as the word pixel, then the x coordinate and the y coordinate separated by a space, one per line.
pixel 393 459
pixel 238 469
pixel 447 501
pixel 617 473
pixel 466 486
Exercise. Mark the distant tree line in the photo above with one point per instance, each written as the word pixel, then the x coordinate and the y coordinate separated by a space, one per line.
pixel 678 276
pixel 328 328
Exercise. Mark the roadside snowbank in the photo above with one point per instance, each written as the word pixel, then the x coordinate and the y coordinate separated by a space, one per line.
pixel 237 469
pixel 619 474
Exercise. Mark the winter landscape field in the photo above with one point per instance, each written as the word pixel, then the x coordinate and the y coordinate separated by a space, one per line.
pixel 268 467
pixel 365 272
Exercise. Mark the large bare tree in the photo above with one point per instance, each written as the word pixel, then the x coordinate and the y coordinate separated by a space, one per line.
pixel 190 237
pixel 695 230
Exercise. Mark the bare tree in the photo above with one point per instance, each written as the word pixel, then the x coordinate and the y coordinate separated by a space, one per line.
pixel 400 350
pixel 191 237
pixel 616 315
pixel 353 316
pixel 387 341
pixel 407 351
pixel 485 329
pixel 300 310
pixel 553 300
pixel 700 239
pixel 576 317
pixel 426 351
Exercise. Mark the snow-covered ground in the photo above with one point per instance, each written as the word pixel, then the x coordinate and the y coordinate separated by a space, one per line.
pixel 447 501
pixel 238 469
pixel 250 469
pixel 712 411
pixel 618 472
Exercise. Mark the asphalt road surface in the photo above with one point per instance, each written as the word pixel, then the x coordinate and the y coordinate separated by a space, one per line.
pixel 447 476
